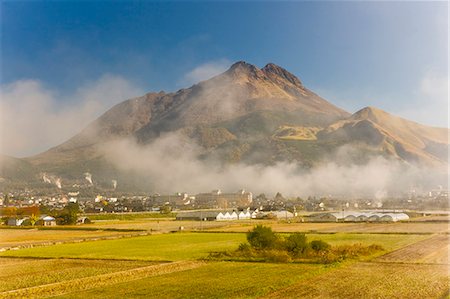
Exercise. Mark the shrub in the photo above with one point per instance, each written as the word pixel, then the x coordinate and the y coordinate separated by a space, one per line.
pixel 244 247
pixel 296 244
pixel 262 237
pixel 276 256
pixel 319 245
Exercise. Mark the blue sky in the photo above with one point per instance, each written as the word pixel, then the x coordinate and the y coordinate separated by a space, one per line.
pixel 392 55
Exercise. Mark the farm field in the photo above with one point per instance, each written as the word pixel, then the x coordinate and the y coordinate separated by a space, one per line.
pixel 399 227
pixel 373 280
pixel 432 250
pixel 185 246
pixel 172 247
pixel 214 280
pixel 20 237
pixel 157 225
pixel 167 225
pixel 23 273
pixel 171 266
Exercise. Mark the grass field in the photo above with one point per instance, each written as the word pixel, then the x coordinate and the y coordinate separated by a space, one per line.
pixel 23 273
pixel 374 280
pixel 17 237
pixel 185 246
pixel 412 265
pixel 399 227
pixel 214 280
pixel 129 216
pixel 174 247
pixel 158 225
pixel 432 250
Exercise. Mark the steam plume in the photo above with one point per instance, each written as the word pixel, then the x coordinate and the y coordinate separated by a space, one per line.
pixel 88 177
pixel 58 183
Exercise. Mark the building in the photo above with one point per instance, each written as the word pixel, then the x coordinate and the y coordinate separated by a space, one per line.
pixel 16 221
pixel 47 221
pixel 214 215
pixel 349 216
pixel 218 199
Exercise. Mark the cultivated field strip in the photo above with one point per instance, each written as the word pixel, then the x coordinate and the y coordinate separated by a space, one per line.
pixel 19 273
pixel 337 227
pixel 64 238
pixel 100 280
pixel 431 250
pixel 373 280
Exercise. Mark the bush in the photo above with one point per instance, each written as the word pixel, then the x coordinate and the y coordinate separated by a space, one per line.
pixel 319 245
pixel 276 256
pixel 245 247
pixel 262 237
pixel 296 244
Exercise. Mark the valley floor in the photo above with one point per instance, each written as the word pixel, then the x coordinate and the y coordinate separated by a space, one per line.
pixel 414 264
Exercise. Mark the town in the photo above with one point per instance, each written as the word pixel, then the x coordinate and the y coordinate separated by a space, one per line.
pixel 74 207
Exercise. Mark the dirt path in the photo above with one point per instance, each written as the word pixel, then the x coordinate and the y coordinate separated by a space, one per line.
pixel 100 280
pixel 431 250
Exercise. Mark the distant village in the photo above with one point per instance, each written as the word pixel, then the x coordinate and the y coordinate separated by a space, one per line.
pixel 22 208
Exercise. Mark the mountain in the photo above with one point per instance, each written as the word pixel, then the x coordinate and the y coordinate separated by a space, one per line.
pixel 244 101
pixel 245 115
pixel 392 135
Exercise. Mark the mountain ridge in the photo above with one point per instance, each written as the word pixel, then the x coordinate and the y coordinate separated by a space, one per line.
pixel 250 115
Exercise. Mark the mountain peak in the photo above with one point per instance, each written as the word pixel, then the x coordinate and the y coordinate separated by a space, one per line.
pixel 243 68
pixel 272 69
pixel 370 112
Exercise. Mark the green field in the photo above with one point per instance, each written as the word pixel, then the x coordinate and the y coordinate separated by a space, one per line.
pixel 188 246
pixel 214 280
pixel 128 216
pixel 23 273
pixel 131 267
pixel 374 280
pixel 252 280
pixel 20 237
pixel 173 247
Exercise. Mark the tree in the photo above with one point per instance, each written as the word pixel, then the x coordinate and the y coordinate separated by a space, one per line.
pixel 296 244
pixel 319 245
pixel 262 237
pixel 70 214
pixel 165 209
pixel 33 219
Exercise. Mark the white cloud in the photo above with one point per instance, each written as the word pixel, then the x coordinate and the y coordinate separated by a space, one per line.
pixel 171 163
pixel 431 101
pixel 35 118
pixel 206 71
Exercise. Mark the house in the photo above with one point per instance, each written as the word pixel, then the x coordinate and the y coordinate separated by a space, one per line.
pixel 198 215
pixel 213 215
pixel 325 217
pixel 15 221
pixel 47 221
pixel 83 220
pixel 281 214
pixel 244 215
